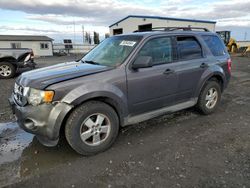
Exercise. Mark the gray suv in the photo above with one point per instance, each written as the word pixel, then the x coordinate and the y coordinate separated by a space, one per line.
pixel 124 80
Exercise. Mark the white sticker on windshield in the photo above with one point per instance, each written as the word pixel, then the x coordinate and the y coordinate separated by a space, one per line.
pixel 127 43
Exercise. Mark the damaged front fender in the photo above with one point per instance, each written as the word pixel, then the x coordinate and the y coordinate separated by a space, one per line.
pixel 44 121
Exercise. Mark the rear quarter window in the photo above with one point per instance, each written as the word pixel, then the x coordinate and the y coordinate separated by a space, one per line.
pixel 215 45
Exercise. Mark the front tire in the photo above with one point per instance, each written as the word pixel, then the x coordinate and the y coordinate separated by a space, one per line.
pixel 209 98
pixel 92 128
pixel 7 70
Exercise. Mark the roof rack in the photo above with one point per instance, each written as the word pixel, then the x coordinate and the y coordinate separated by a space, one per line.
pixel 177 28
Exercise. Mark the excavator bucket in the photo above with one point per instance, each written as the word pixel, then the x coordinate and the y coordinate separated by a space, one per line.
pixel 247 52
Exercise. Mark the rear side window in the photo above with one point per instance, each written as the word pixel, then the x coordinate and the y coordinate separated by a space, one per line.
pixel 188 48
pixel 160 49
pixel 214 44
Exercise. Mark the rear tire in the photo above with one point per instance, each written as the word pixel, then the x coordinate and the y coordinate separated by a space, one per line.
pixel 92 128
pixel 7 70
pixel 209 98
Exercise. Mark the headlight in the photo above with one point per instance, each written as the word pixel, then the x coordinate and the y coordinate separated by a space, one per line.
pixel 36 97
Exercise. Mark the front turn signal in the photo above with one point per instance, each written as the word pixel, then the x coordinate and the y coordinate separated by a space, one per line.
pixel 48 96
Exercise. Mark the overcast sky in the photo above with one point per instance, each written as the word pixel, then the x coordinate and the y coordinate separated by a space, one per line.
pixel 56 18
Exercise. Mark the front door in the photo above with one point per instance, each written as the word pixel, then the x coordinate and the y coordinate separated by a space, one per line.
pixel 153 87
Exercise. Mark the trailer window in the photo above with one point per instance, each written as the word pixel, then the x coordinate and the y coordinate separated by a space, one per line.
pixel 15 45
pixel 44 46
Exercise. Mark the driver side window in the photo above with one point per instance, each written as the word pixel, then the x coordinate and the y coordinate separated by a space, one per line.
pixel 160 49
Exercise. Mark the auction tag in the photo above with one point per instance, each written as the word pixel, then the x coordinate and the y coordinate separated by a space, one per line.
pixel 127 43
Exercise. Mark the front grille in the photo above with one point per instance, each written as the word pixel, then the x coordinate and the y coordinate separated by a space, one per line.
pixel 19 94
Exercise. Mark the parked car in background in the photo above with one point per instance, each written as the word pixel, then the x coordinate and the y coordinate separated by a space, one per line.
pixel 11 60
pixel 124 80
pixel 60 53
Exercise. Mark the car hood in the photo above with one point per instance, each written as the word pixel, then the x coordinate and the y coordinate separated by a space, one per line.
pixel 43 77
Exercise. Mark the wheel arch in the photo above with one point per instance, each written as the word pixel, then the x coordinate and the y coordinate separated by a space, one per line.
pixel 9 59
pixel 217 76
pixel 107 100
pixel 118 108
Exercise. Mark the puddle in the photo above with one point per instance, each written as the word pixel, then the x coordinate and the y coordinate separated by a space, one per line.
pixel 22 155
pixel 12 142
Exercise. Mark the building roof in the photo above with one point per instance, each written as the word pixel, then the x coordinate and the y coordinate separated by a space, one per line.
pixel 163 18
pixel 24 38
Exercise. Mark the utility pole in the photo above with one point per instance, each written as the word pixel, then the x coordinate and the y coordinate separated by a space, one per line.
pixel 74 38
pixel 74 31
pixel 83 37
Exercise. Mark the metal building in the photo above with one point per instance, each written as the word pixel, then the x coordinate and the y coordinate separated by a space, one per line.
pixel 132 23
pixel 41 45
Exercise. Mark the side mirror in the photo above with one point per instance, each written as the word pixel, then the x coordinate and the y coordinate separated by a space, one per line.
pixel 142 62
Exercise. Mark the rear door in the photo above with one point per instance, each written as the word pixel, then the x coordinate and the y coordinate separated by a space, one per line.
pixel 153 87
pixel 190 66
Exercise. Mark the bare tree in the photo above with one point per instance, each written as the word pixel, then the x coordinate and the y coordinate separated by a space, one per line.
pixel 88 38
pixel 96 38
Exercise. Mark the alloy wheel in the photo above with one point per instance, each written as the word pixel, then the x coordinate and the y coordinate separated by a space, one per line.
pixel 95 129
pixel 5 70
pixel 211 98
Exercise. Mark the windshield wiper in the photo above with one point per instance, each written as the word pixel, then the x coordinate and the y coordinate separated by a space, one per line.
pixel 90 62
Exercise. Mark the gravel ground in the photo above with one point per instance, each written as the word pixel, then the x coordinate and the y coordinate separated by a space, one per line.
pixel 183 149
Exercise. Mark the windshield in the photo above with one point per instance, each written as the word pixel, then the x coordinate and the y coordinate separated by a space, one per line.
pixel 112 51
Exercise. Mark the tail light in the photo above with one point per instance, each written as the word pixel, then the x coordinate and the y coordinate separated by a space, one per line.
pixel 229 65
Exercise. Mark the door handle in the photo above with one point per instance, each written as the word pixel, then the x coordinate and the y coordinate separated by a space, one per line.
pixel 168 71
pixel 203 65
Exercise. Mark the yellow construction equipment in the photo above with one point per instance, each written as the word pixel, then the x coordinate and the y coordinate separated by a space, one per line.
pixel 229 42
pixel 232 45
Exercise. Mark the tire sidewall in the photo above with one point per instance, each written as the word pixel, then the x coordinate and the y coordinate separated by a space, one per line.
pixel 202 99
pixel 79 116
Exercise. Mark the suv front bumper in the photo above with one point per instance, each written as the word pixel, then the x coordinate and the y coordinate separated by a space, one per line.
pixel 44 120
